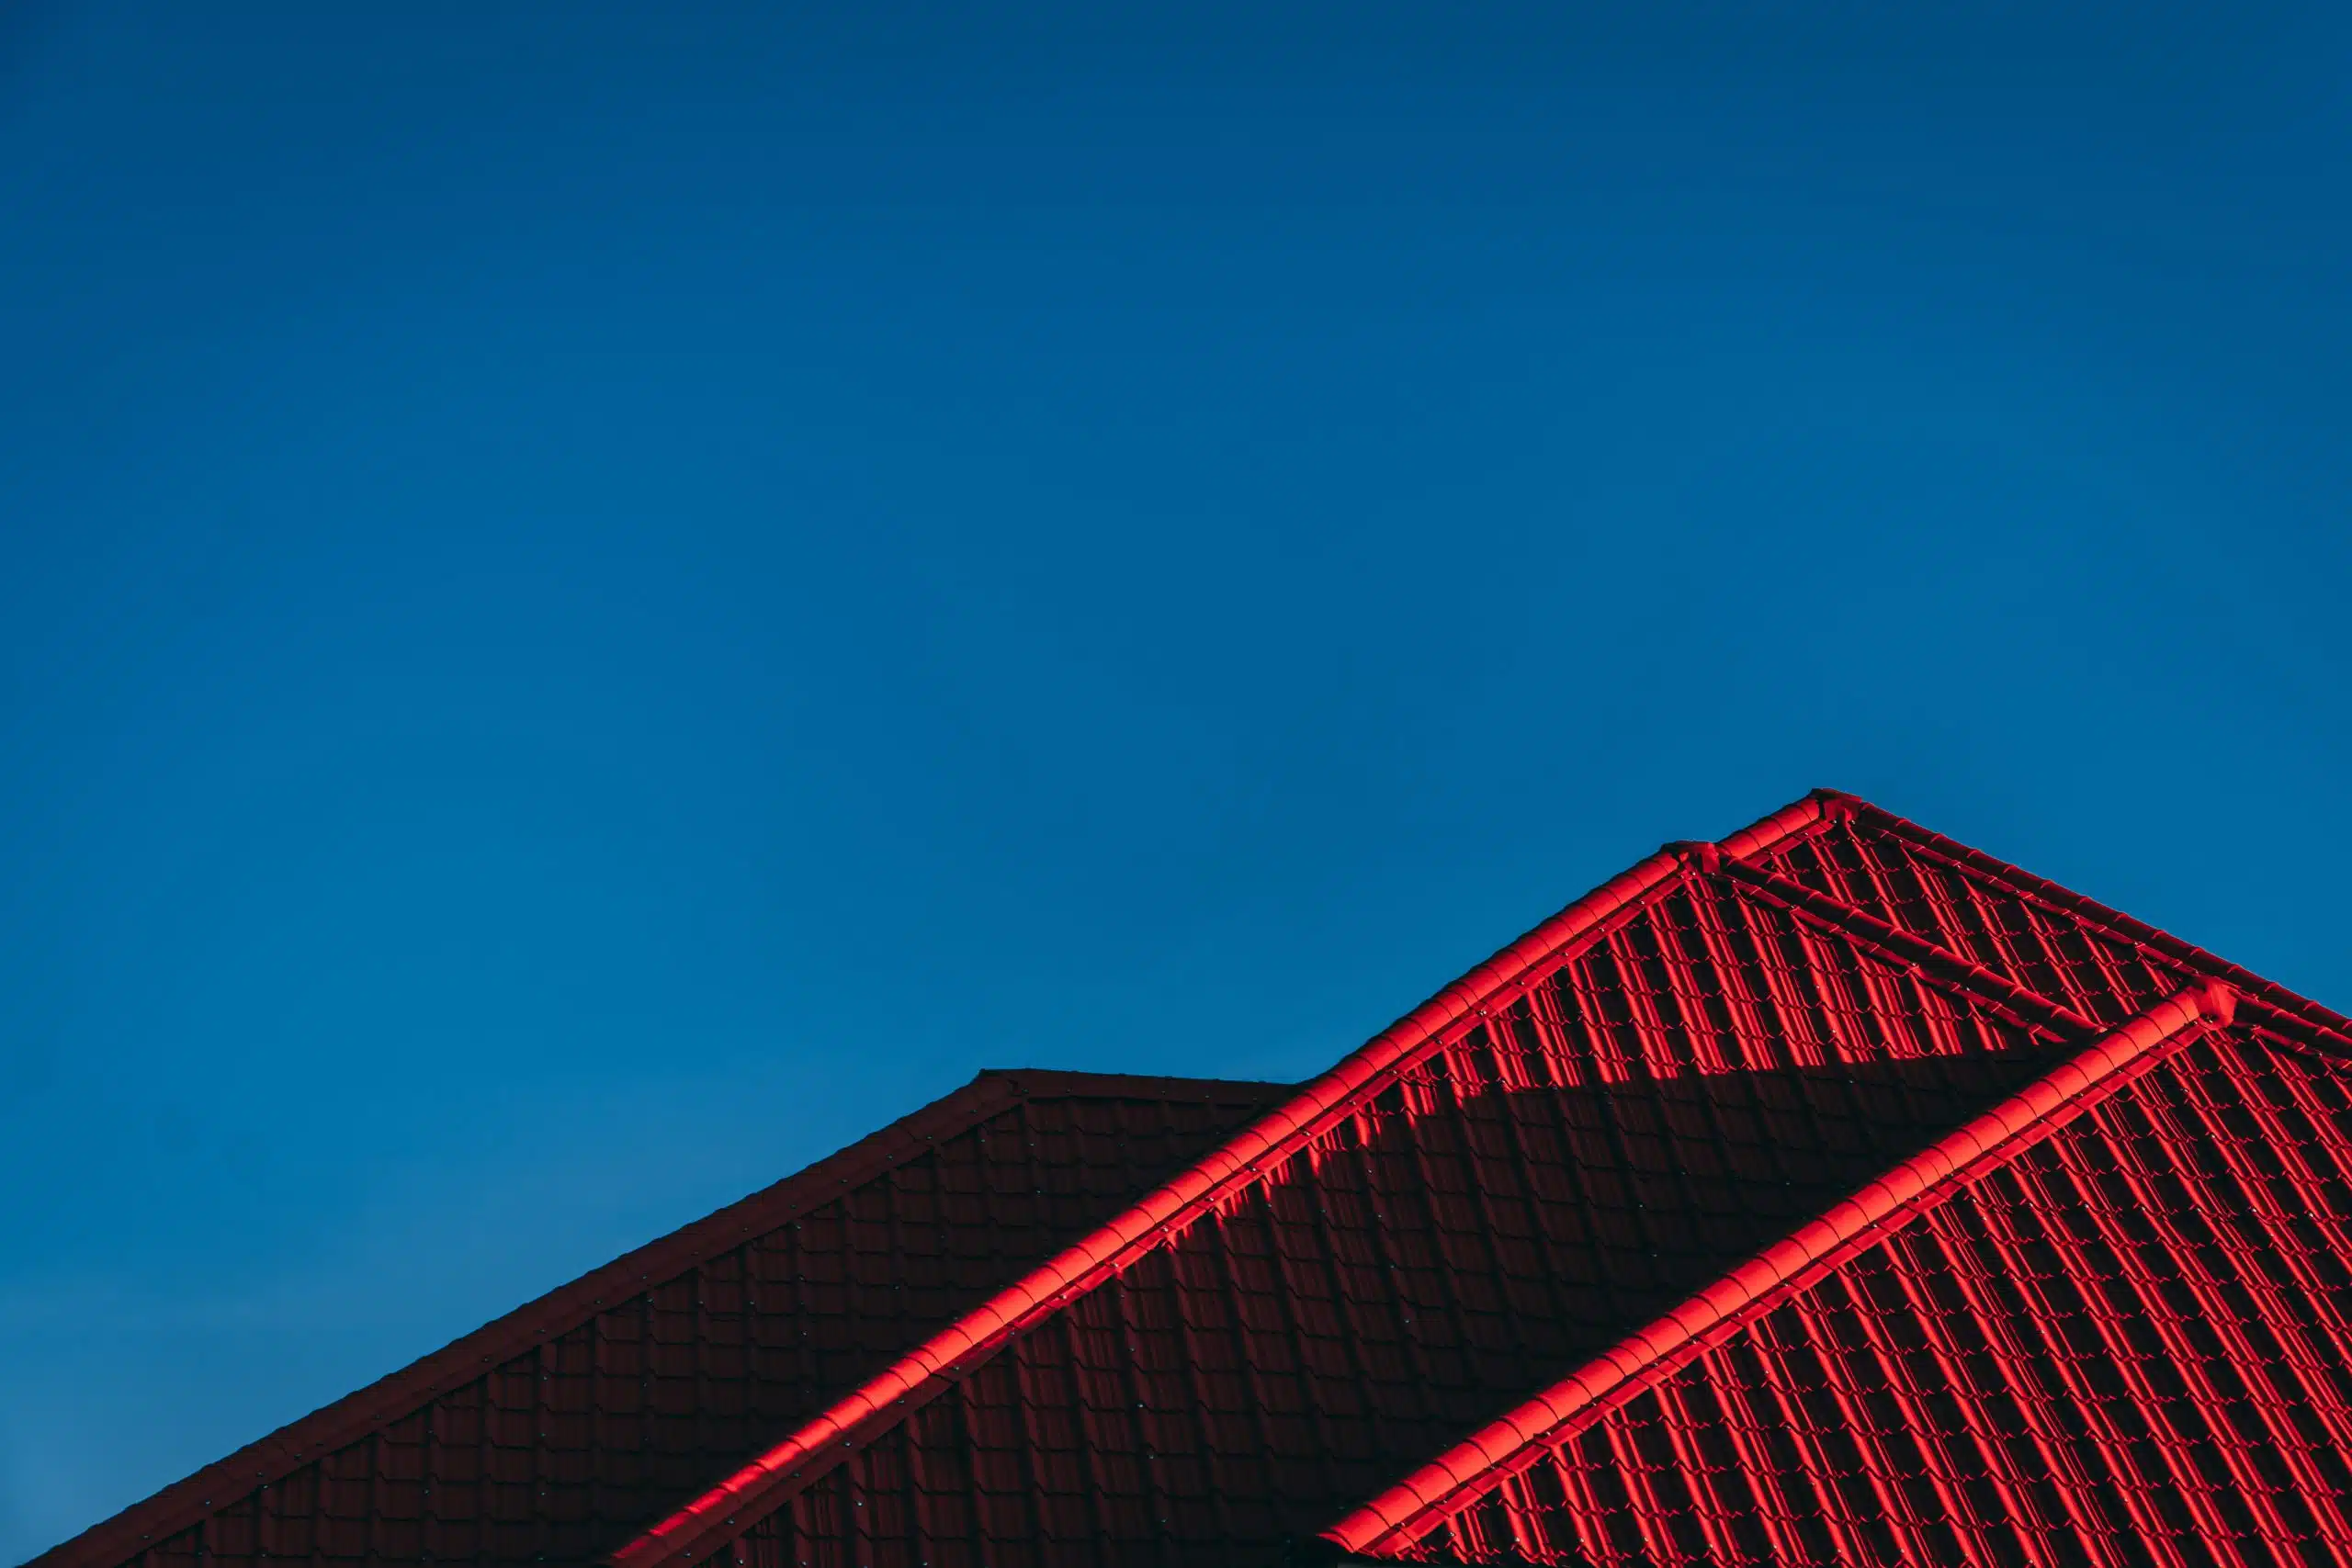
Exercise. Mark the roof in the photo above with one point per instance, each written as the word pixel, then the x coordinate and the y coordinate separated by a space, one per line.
pixel 1835 1192
pixel 555 1431
pixel 1508 1484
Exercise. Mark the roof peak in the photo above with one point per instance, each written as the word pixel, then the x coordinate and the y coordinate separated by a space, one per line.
pixel 927 1369
pixel 1947 926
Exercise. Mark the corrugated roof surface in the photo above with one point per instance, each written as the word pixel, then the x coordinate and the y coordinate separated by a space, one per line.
pixel 1511 1282
pixel 555 1432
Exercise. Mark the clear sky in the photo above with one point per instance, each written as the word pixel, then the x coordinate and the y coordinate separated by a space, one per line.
pixel 596 600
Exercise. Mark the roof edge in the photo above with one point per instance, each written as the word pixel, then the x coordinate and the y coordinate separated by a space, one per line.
pixel 278 1453
pixel 1056 1083
pixel 930 1368
pixel 1638 1362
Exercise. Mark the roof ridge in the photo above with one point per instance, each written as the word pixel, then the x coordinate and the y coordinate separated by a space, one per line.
pixel 1644 1358
pixel 2292 1021
pixel 297 1442
pixel 2020 1002
pixel 2279 1000
pixel 1051 1083
pixel 930 1368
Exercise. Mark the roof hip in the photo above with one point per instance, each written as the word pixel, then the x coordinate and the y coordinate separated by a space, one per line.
pixel 2018 1003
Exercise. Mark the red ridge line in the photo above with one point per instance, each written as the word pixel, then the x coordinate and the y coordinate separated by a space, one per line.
pixel 1322 1104
pixel 2023 1005
pixel 1637 1363
pixel 2333 1026
pixel 1056 1083
pixel 272 1458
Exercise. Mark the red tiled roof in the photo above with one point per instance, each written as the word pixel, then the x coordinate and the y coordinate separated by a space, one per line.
pixel 1833 1193
pixel 2119 1334
pixel 554 1432
pixel 1477 1470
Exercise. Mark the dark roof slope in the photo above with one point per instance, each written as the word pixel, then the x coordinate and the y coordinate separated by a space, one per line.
pixel 556 1431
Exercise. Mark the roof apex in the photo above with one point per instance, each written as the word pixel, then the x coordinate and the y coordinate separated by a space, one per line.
pixel 1319 1104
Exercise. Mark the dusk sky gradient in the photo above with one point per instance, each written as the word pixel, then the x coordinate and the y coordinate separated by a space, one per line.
pixel 596 600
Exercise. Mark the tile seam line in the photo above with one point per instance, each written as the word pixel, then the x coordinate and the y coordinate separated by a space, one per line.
pixel 846 1426
pixel 1639 1361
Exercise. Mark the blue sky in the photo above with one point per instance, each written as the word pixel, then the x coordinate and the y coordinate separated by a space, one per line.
pixel 594 602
